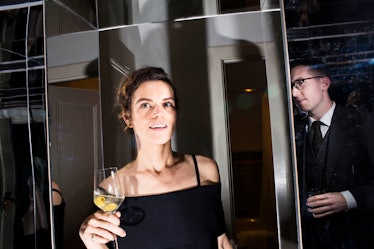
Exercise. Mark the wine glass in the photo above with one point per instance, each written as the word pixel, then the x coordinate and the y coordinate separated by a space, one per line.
pixel 108 193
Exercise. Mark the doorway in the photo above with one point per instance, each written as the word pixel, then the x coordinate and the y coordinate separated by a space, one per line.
pixel 251 153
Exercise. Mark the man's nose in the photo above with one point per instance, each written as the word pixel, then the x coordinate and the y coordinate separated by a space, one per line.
pixel 295 92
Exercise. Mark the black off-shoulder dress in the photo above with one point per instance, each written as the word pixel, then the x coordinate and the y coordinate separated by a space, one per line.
pixel 185 219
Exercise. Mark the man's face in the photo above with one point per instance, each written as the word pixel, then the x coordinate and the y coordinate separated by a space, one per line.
pixel 308 88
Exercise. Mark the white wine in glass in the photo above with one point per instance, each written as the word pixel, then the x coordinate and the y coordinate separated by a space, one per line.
pixel 108 193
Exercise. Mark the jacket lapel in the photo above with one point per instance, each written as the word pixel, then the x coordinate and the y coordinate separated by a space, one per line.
pixel 336 140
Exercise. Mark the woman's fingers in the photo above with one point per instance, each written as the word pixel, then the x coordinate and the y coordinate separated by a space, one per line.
pixel 101 228
pixel 108 223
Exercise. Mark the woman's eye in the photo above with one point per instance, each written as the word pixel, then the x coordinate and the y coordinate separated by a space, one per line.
pixel 145 105
pixel 169 104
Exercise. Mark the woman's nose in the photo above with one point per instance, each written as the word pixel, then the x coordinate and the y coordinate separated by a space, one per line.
pixel 156 111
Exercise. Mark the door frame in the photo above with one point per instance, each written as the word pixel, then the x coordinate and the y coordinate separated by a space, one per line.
pixel 280 134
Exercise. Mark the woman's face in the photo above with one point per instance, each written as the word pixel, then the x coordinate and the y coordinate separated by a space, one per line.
pixel 153 114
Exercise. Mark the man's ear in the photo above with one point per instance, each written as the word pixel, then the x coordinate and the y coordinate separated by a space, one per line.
pixel 326 82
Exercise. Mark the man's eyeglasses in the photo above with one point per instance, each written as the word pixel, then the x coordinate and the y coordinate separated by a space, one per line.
pixel 299 84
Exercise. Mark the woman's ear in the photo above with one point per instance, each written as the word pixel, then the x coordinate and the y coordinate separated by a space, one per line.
pixel 127 119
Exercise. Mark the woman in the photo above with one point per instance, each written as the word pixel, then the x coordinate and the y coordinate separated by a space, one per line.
pixel 172 199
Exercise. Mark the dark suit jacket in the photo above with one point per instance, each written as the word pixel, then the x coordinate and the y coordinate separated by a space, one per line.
pixel 348 166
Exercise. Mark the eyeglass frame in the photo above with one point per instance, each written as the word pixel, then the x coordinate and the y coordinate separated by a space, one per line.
pixel 299 83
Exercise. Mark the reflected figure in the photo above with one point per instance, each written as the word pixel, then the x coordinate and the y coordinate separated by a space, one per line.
pixel 335 164
pixel 34 221
pixel 361 100
pixel 173 200
pixel 58 214
pixel 308 12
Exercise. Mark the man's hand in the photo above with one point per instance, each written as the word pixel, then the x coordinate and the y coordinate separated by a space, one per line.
pixel 326 204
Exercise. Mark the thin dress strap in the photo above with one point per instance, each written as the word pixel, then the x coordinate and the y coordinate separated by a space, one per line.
pixel 56 190
pixel 197 170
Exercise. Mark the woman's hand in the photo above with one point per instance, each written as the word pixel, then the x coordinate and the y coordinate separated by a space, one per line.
pixel 100 228
pixel 224 242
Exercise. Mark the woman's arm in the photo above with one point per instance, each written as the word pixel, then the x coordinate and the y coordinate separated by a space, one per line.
pixel 209 173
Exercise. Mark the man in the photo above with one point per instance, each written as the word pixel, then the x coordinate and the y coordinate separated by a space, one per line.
pixel 335 165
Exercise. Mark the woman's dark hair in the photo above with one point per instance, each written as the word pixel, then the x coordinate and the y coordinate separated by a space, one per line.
pixel 129 85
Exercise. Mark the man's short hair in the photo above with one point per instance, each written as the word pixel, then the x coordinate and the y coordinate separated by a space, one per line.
pixel 314 64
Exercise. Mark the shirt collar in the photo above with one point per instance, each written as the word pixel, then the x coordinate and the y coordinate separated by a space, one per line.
pixel 326 119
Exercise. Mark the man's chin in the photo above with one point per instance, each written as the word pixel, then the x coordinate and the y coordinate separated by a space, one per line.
pixel 304 108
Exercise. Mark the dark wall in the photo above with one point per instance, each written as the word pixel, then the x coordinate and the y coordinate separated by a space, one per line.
pixel 340 32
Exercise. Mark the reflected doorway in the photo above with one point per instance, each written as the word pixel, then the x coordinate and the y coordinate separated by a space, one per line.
pixel 251 153
pixel 75 152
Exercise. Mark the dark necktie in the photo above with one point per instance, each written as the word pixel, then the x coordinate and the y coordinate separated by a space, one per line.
pixel 316 136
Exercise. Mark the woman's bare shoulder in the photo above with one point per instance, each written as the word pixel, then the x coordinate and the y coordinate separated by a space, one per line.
pixel 127 167
pixel 127 171
pixel 208 169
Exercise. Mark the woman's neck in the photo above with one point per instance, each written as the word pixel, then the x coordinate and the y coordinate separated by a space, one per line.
pixel 154 158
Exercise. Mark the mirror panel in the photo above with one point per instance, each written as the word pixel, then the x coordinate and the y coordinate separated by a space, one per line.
pixel 339 31
pixel 229 6
pixel 126 48
pixel 202 126
pixel 24 184
pixel 70 16
pixel 340 34
pixel 74 126
pixel 75 152
pixel 346 47
pixel 119 12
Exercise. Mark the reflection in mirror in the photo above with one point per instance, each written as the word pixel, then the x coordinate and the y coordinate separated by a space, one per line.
pixel 337 34
pixel 119 12
pixel 229 6
pixel 164 44
pixel 251 146
pixel 73 96
pixel 24 185
pixel 69 16
pixel 74 126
